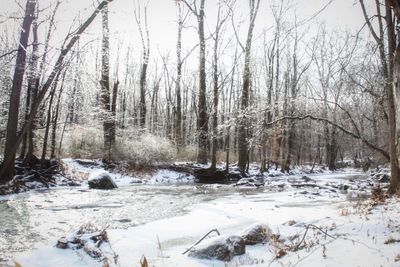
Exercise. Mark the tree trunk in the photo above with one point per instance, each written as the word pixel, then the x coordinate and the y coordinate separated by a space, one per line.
pixel 178 122
pixel 105 94
pixel 13 111
pixel 113 121
pixel 244 102
pixel 55 120
pixel 215 93
pixel 48 120
pixel 202 121
pixel 394 161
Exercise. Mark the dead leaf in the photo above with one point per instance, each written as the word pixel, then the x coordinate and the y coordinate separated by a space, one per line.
pixel 280 253
pixel 143 262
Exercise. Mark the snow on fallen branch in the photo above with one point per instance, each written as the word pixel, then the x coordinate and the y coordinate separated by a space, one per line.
pixel 93 241
pixel 198 242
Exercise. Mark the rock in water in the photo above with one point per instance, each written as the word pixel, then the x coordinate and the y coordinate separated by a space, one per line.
pixel 220 248
pixel 307 179
pixel 384 178
pixel 101 181
pixel 256 234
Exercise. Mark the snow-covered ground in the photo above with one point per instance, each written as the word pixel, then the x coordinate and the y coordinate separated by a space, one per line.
pixel 162 221
pixel 81 171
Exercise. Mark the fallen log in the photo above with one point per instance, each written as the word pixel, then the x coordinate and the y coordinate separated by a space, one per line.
pixel 204 174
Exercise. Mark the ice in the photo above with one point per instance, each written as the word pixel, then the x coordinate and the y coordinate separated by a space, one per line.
pixel 164 215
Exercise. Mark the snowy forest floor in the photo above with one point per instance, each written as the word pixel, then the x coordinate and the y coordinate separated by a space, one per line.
pixel 162 213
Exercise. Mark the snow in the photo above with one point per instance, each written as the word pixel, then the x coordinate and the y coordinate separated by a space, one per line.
pixel 359 229
pixel 162 213
pixel 94 167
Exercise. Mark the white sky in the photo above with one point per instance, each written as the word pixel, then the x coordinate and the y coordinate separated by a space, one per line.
pixel 340 14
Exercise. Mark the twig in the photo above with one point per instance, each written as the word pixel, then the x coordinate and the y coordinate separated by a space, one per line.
pixel 305 234
pixel 189 249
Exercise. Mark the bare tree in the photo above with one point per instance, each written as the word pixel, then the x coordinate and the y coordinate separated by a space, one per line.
pixel 244 102
pixel 202 119
pixel 144 35
pixel 105 92
pixel 7 168
pixel 12 123
pixel 387 62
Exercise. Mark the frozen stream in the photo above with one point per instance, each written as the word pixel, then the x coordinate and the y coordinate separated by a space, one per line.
pixel 33 219
pixel 175 215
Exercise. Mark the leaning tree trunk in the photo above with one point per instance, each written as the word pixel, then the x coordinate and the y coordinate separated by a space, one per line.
pixel 34 81
pixel 13 111
pixel 31 92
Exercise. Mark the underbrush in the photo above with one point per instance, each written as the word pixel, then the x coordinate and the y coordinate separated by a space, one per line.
pixel 138 148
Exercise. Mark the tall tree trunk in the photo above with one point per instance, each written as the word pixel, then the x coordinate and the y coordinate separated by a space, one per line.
pixel 34 81
pixel 13 111
pixel 228 129
pixel 113 121
pixel 202 122
pixel 394 161
pixel 55 120
pixel 143 71
pixel 105 94
pixel 178 123
pixel 215 91
pixel 244 101
pixel 388 74
pixel 394 181
pixel 48 120
pixel 142 104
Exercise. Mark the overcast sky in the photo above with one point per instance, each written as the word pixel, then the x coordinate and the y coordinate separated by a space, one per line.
pixel 339 14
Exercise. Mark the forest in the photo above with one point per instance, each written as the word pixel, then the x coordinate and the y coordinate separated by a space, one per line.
pixel 199 133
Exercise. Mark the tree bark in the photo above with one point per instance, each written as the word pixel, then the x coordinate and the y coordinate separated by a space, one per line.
pixel 389 83
pixel 202 122
pixel 388 64
pixel 105 94
pixel 48 120
pixel 55 120
pixel 13 111
pixel 178 122
pixel 244 102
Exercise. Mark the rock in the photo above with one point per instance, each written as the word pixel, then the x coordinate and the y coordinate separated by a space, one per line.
pixel 290 223
pixel 252 182
pixel 307 179
pixel 256 234
pixel 384 178
pixel 344 187
pixel 101 181
pixel 62 243
pixel 73 183
pixel 222 248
